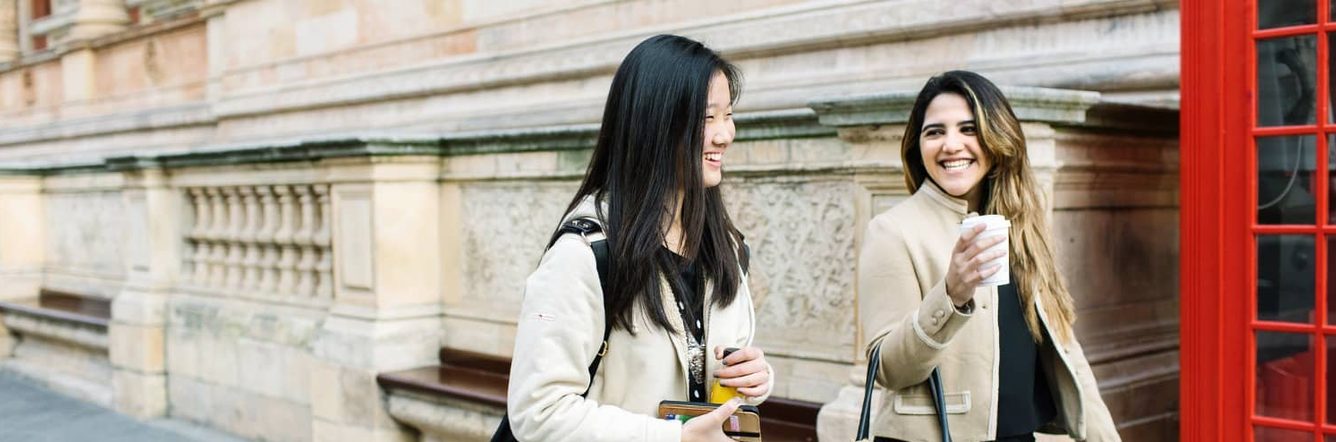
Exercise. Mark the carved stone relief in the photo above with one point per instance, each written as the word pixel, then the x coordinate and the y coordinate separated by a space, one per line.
pixel 85 233
pixel 506 227
pixel 801 235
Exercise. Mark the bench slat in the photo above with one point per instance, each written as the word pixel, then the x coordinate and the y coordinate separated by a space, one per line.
pixel 35 307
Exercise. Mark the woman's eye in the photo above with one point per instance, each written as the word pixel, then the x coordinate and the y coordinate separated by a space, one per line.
pixel 968 130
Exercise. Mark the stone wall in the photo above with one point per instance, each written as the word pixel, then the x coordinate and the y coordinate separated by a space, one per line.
pixel 439 141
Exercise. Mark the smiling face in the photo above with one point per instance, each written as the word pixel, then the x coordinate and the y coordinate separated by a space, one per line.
pixel 719 130
pixel 950 147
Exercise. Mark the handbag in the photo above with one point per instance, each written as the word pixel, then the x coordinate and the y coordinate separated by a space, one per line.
pixel 865 415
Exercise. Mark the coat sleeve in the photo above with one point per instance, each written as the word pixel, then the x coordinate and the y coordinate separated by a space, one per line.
pixel 560 330
pixel 751 338
pixel 911 326
pixel 1099 426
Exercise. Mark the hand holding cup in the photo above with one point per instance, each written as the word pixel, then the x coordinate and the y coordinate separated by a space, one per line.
pixel 979 257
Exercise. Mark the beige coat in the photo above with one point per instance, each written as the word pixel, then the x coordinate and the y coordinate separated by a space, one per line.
pixel 905 309
pixel 560 330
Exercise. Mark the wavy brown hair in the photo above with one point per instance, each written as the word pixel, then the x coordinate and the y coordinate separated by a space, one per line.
pixel 1009 190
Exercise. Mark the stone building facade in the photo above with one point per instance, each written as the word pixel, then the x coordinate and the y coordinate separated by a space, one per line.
pixel 283 198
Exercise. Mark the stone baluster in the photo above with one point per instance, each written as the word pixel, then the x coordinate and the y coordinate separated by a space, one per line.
pixel 287 262
pixel 250 278
pixel 324 285
pixel 196 269
pixel 200 202
pixel 217 252
pixel 303 239
pixel 269 253
pixel 235 249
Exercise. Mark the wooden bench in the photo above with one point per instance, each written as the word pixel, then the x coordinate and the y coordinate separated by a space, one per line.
pixel 482 379
pixel 63 307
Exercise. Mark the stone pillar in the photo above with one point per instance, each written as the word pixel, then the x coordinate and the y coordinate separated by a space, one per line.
pixel 153 258
pixel 9 30
pixel 96 18
pixel 22 243
pixel 387 303
pixel 873 126
pixel 78 75
pixel 22 236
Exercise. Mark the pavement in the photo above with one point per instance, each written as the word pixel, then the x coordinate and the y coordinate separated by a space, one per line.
pixel 31 413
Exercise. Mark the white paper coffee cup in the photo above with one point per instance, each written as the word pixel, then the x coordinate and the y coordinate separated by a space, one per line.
pixel 996 226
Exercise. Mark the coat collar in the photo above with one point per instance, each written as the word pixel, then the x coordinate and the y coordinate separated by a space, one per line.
pixel 940 197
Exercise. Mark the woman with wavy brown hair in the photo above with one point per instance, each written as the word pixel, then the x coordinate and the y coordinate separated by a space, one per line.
pixel 1008 356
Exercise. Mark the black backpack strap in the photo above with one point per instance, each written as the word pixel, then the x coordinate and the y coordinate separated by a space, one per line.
pixel 584 227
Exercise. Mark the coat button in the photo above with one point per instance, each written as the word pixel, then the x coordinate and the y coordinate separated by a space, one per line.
pixel 936 321
pixel 939 314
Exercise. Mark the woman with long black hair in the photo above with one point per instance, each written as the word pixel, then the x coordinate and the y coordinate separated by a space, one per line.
pixel 677 289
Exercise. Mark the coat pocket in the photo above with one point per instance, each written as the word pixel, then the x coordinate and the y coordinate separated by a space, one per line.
pixel 921 404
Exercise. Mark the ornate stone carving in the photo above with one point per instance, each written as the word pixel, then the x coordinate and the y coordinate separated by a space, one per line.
pixel 504 234
pixel 801 235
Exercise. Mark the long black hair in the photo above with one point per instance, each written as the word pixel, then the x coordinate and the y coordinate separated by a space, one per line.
pixel 649 152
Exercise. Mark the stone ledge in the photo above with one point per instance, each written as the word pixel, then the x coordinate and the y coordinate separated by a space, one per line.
pixel 444 419
pixel 24 323
pixel 1031 104
pixel 791 123
pixel 155 119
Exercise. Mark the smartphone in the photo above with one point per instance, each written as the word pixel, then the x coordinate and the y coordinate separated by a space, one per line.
pixel 743 425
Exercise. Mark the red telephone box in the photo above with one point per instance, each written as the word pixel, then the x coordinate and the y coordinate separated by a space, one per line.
pixel 1258 149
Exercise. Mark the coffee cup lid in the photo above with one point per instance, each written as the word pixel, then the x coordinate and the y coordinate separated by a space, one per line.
pixel 992 221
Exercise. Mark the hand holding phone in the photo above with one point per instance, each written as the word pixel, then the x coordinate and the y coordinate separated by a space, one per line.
pixel 731 421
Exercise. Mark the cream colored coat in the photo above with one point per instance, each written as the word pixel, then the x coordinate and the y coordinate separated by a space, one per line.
pixel 906 310
pixel 560 330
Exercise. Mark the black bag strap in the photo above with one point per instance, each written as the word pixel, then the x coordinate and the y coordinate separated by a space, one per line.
pixel 865 415
pixel 585 227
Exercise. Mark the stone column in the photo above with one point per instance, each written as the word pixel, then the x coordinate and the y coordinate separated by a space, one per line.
pixel 96 18
pixel 873 126
pixel 22 236
pixel 9 30
pixel 22 243
pixel 387 303
pixel 153 257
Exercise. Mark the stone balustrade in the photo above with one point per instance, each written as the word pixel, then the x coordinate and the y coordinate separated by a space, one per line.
pixel 263 241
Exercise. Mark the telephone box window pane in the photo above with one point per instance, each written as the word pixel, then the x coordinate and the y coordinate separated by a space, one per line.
pixel 1282 13
pixel 1268 434
pixel 1285 382
pixel 1286 180
pixel 1285 278
pixel 1287 81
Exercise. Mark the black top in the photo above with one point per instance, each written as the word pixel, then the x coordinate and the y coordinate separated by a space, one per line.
pixel 691 306
pixel 1024 401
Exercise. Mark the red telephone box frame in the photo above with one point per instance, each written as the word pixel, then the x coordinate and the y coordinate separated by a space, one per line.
pixel 1218 222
